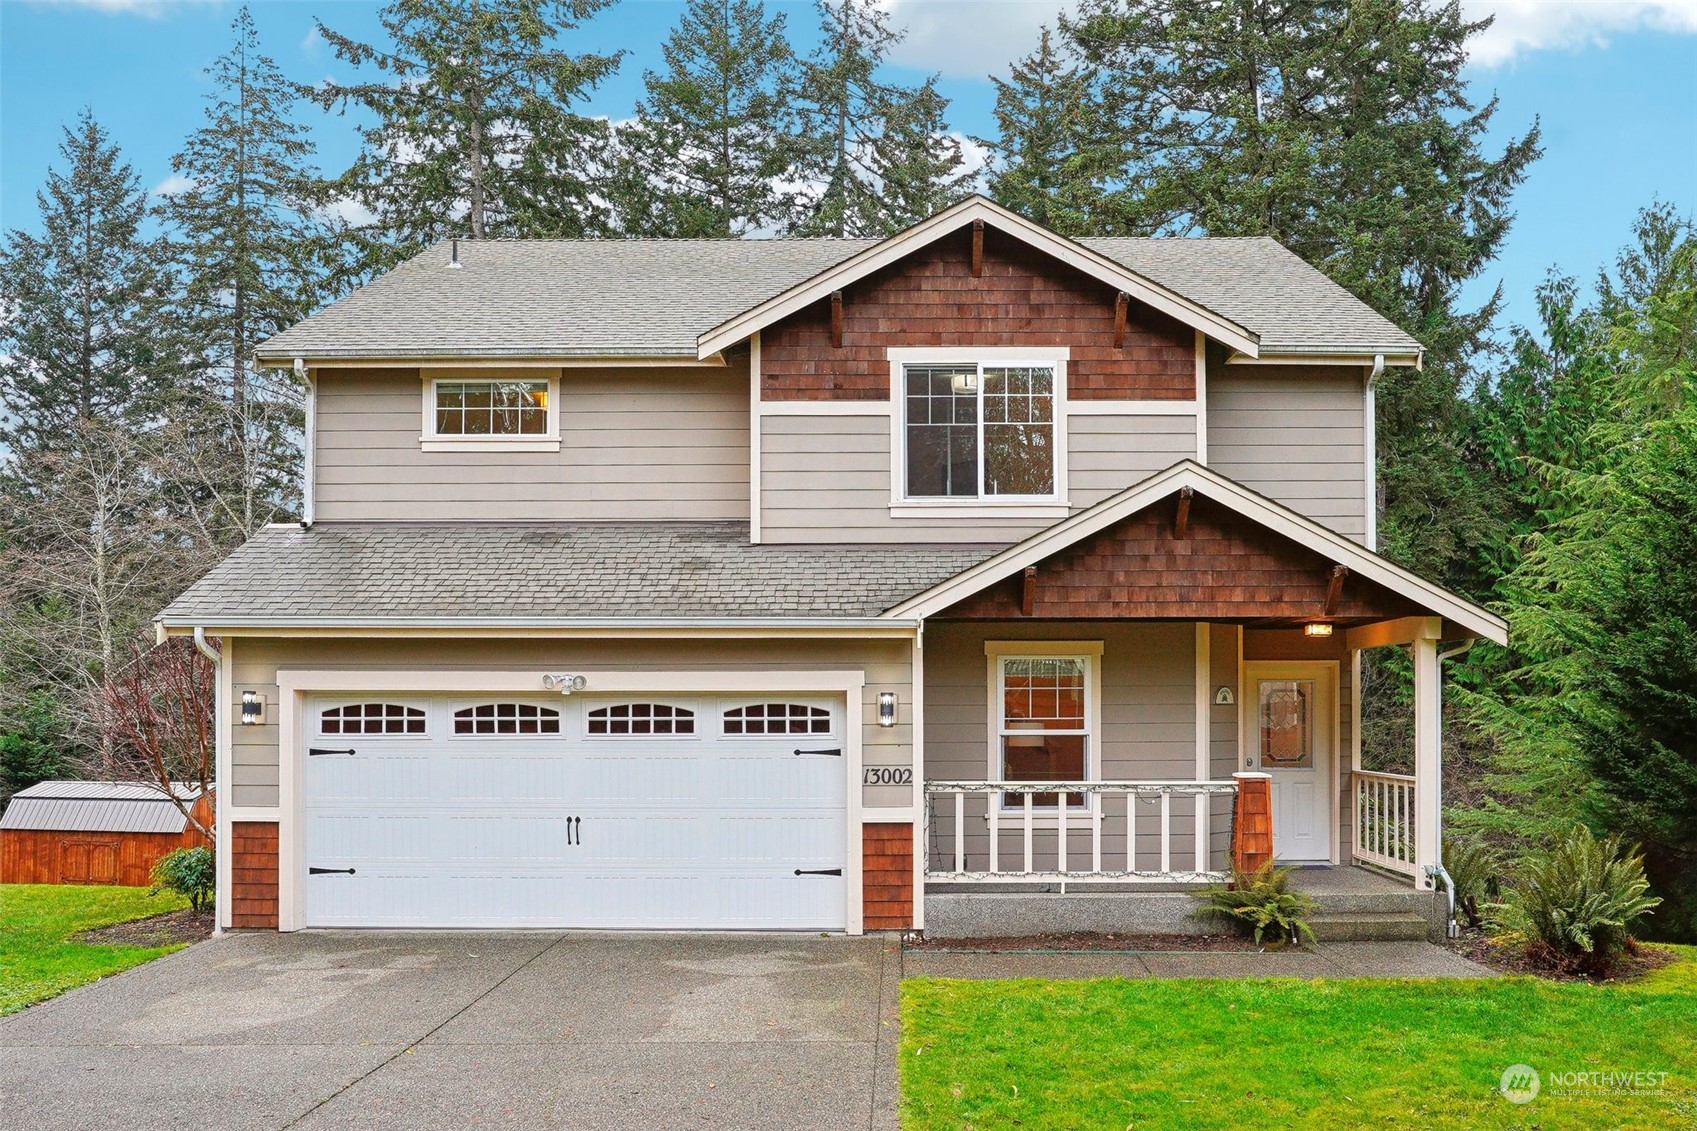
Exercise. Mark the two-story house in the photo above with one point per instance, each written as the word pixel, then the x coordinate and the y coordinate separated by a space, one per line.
pixel 810 583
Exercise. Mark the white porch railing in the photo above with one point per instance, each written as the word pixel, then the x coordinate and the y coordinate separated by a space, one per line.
pixel 1384 821
pixel 995 832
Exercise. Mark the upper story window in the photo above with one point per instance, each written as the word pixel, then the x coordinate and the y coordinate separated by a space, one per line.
pixel 980 430
pixel 491 414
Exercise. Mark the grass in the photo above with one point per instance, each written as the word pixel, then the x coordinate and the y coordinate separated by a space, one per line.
pixel 39 960
pixel 1278 1052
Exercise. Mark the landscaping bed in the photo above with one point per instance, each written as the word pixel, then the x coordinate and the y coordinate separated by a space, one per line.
pixel 1086 942
pixel 173 928
pixel 1513 957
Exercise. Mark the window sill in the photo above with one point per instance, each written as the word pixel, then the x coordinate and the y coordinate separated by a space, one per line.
pixel 978 509
pixel 509 444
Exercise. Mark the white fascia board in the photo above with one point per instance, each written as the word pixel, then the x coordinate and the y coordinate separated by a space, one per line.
pixel 904 243
pixel 1365 357
pixel 178 626
pixel 1256 508
pixel 517 360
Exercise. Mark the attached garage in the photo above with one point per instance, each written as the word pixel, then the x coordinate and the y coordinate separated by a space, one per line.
pixel 674 810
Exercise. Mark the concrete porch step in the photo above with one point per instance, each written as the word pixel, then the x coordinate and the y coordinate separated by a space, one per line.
pixel 1368 926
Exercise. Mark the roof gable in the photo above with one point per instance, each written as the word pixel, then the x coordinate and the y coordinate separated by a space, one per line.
pixel 1233 498
pixel 978 209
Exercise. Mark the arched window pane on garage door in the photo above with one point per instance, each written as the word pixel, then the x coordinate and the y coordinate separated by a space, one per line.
pixel 641 718
pixel 507 718
pixel 778 718
pixel 372 718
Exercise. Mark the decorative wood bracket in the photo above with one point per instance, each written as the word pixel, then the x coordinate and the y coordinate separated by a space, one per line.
pixel 1181 516
pixel 1334 589
pixel 837 320
pixel 977 248
pixel 1028 596
pixel 1122 307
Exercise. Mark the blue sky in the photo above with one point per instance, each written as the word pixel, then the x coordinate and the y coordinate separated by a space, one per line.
pixel 1610 81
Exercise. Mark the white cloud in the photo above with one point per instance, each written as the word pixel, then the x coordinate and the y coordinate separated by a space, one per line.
pixel 313 42
pixel 172 185
pixel 349 211
pixel 969 38
pixel 1541 25
pixel 152 9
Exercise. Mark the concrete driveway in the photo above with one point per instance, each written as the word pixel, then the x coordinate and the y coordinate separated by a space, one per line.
pixel 407 1030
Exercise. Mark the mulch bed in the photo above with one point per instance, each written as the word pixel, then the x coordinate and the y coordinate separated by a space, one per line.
pixel 169 929
pixel 1516 958
pixel 1085 942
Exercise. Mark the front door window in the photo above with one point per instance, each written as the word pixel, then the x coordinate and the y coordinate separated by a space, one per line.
pixel 1287 724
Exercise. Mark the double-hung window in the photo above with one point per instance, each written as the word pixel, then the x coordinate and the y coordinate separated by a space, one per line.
pixel 1044 724
pixel 980 430
pixel 491 413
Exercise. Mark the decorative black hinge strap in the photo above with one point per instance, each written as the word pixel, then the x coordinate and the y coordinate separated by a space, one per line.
pixel 329 871
pixel 818 871
pixel 315 752
pixel 833 753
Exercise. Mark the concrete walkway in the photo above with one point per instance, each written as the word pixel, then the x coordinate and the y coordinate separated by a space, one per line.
pixel 1331 960
pixel 425 1030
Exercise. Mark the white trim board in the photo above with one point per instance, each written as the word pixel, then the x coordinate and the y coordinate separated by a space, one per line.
pixel 1073 254
pixel 1257 508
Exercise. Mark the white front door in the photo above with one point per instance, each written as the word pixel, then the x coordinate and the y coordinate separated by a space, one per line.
pixel 1289 729
pixel 701 811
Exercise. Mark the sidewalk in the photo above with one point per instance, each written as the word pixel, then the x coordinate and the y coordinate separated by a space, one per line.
pixel 1331 960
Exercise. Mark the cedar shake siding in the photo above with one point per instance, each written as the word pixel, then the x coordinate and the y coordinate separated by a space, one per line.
pixel 1022 298
pixel 1225 568
pixel 668 443
pixel 1296 434
pixel 253 875
pixel 887 876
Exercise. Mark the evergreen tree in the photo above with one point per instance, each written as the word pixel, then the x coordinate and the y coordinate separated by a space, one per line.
pixel 1045 164
pixel 82 336
pixel 1345 131
pixel 714 133
pixel 476 132
pixel 870 150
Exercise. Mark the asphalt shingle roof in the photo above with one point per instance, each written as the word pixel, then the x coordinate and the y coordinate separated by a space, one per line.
pixel 616 298
pixel 380 572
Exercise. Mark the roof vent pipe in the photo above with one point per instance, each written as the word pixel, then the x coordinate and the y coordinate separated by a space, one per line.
pixel 454 254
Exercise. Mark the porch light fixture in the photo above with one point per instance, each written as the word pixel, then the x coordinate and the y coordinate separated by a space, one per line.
pixel 1316 630
pixel 253 708
pixel 886 708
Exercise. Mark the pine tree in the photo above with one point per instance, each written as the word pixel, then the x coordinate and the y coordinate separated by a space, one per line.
pixel 476 132
pixel 869 149
pixel 82 334
pixel 1046 165
pixel 714 133
pixel 1346 132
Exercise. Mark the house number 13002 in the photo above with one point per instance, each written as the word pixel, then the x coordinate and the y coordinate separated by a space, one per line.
pixel 888 775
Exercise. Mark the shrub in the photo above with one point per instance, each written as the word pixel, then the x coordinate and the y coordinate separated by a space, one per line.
pixel 1263 902
pixel 1576 900
pixel 1474 869
pixel 190 872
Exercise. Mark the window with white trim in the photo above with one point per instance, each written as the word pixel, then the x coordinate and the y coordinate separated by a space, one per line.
pixel 1043 723
pixel 506 718
pixel 777 718
pixel 371 718
pixel 980 430
pixel 640 718
pixel 491 409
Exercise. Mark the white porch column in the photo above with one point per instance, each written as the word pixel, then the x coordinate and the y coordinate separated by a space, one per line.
pixel 1428 752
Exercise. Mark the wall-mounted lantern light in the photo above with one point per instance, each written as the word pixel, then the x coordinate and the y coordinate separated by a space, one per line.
pixel 886 708
pixel 253 708
pixel 1316 630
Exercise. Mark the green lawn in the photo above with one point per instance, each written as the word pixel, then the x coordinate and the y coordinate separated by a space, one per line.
pixel 1276 1052
pixel 36 920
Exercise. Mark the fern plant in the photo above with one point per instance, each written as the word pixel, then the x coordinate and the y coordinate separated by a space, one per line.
pixel 1578 898
pixel 1473 869
pixel 1262 901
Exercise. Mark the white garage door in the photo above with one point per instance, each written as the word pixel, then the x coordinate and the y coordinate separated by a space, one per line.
pixel 487 811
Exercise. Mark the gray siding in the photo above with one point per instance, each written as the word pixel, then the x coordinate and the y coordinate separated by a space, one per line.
pixel 634 444
pixel 827 478
pixel 887 664
pixel 1295 435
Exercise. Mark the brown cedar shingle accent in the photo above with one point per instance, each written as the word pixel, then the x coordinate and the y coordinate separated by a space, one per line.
pixel 1225 568
pixel 253 874
pixel 887 876
pixel 932 298
pixel 1252 824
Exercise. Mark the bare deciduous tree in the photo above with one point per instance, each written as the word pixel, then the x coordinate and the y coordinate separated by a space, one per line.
pixel 156 715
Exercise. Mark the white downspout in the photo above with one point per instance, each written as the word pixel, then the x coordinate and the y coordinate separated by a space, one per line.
pixel 220 755
pixel 1370 442
pixel 309 486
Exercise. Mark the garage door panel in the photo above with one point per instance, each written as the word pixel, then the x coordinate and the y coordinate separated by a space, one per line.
pixel 702 831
